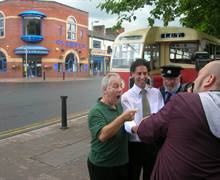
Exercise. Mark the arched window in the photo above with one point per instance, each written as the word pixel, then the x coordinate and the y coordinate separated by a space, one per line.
pixel 2 23
pixel 71 63
pixel 3 63
pixel 71 28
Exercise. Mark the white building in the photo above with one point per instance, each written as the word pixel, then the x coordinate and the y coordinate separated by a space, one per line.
pixel 100 44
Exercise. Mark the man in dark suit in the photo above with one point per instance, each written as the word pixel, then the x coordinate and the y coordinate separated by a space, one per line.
pixel 171 75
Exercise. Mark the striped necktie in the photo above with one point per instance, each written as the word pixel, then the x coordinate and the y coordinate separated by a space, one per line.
pixel 145 103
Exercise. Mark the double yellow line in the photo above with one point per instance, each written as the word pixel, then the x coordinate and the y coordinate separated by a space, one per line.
pixel 30 127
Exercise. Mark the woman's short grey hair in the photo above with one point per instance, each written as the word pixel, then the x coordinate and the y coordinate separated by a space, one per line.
pixel 107 79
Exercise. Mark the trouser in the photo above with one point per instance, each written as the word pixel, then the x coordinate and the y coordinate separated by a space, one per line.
pixel 107 173
pixel 141 156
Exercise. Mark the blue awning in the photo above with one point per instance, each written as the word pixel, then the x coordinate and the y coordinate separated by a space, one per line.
pixel 31 49
pixel 32 13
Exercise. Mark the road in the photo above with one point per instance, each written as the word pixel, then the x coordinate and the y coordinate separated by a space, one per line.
pixel 26 103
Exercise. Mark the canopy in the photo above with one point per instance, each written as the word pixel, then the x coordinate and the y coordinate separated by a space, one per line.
pixel 31 49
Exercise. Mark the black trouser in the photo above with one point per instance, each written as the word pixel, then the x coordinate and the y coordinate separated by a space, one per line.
pixel 141 155
pixel 107 173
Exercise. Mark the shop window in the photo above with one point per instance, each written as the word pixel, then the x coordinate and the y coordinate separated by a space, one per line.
pixel 3 62
pixel 71 28
pixel 32 26
pixel 2 24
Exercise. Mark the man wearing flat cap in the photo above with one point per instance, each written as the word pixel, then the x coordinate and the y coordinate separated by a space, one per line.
pixel 171 75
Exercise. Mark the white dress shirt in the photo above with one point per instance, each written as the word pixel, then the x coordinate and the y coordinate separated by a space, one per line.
pixel 132 99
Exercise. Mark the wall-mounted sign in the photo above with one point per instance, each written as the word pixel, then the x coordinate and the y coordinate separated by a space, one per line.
pixel 99 52
pixel 71 44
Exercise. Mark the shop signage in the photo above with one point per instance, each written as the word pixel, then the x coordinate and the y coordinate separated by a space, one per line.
pixel 71 44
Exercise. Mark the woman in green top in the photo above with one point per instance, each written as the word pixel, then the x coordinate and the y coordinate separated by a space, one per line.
pixel 108 156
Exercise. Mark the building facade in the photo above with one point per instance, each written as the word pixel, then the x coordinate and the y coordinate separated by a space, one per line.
pixel 101 42
pixel 42 38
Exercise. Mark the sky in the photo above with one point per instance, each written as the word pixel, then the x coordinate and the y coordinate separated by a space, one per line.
pixel 95 14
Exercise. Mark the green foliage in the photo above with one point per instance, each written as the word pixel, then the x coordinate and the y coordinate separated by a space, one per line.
pixel 202 15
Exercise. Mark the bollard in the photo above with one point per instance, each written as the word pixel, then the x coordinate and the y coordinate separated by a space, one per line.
pixel 44 75
pixel 63 75
pixel 64 113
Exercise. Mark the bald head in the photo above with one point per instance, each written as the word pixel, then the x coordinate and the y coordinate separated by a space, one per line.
pixel 214 68
pixel 208 77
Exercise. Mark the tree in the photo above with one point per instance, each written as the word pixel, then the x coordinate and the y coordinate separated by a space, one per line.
pixel 202 15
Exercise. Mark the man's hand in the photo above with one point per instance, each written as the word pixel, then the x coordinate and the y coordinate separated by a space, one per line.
pixel 129 115
pixel 134 129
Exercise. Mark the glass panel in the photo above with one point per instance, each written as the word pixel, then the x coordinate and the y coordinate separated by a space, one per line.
pixel 152 54
pixel 71 26
pixel 182 52
pixel 32 26
pixel 125 54
pixel 97 44
pixel 1 24
pixel 3 62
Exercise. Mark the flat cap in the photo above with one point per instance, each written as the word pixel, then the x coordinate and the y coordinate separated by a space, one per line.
pixel 171 71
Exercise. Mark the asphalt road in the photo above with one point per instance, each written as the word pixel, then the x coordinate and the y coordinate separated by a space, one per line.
pixel 26 103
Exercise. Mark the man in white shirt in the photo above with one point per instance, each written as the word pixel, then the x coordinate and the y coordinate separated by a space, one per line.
pixel 140 155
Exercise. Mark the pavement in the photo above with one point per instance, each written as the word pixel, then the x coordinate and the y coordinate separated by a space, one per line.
pixel 48 153
pixel 22 80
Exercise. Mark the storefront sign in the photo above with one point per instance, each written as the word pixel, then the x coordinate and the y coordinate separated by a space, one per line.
pixel 99 52
pixel 71 44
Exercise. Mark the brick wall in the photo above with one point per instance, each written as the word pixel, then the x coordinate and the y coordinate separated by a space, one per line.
pixel 53 29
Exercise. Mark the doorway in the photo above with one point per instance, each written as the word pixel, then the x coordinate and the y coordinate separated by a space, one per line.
pixel 32 66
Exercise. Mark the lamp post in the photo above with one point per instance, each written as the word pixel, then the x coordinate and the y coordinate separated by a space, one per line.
pixel 26 63
pixel 91 55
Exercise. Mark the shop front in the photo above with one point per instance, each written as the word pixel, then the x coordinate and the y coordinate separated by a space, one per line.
pixel 31 59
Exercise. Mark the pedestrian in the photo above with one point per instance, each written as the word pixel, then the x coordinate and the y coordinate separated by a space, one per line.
pixel 108 156
pixel 191 124
pixel 146 100
pixel 171 76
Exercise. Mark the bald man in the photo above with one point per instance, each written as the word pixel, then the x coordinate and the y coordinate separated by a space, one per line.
pixel 191 124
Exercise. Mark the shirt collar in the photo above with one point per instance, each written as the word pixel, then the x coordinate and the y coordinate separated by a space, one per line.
pixel 137 89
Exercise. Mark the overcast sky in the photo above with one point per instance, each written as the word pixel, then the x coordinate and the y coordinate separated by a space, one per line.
pixel 95 14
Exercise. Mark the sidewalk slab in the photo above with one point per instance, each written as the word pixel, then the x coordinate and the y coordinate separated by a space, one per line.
pixel 49 153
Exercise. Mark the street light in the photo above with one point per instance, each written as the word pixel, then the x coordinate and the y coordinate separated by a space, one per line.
pixel 26 64
pixel 91 55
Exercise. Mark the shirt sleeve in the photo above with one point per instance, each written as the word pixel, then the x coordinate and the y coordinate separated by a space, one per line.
pixel 96 122
pixel 128 126
pixel 126 104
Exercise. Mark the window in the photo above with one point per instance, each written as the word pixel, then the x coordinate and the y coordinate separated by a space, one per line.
pixel 213 50
pixel 96 44
pixel 182 52
pixel 152 54
pixel 1 25
pixel 71 28
pixel 81 34
pixel 32 26
pixel 71 63
pixel 3 64
pixel 125 54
